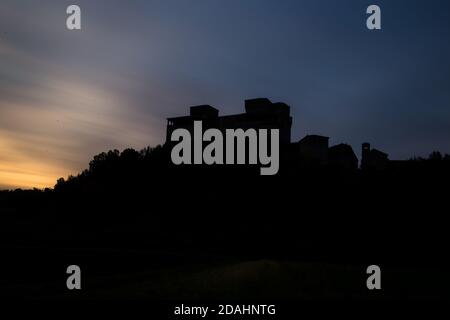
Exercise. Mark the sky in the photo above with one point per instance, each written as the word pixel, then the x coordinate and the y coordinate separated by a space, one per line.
pixel 66 96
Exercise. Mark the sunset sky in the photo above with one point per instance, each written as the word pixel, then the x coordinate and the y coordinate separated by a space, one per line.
pixel 68 95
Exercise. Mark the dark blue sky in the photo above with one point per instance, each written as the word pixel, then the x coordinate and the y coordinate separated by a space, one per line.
pixel 65 96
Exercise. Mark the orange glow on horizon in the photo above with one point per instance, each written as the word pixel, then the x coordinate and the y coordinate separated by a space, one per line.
pixel 55 133
pixel 10 179
pixel 23 170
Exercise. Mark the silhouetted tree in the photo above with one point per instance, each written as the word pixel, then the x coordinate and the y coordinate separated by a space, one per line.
pixel 435 156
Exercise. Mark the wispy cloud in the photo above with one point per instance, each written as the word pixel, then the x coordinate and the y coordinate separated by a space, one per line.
pixel 52 120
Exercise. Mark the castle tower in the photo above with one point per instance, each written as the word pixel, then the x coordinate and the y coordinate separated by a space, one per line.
pixel 365 155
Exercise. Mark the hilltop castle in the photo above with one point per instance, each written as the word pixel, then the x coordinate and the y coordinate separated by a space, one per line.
pixel 261 113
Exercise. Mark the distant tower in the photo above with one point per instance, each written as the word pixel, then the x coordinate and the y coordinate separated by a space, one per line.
pixel 365 156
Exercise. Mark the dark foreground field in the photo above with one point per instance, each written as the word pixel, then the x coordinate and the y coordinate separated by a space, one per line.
pixel 142 229
pixel 165 277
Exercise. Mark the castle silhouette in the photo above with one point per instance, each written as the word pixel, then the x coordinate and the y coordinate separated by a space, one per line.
pixel 261 113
